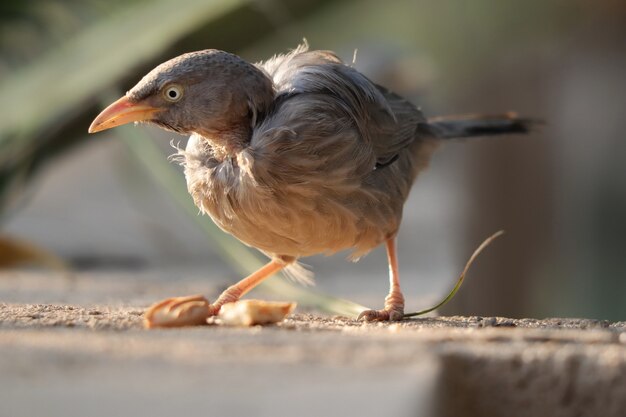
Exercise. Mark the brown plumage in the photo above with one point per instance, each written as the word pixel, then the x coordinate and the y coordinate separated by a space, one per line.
pixel 295 156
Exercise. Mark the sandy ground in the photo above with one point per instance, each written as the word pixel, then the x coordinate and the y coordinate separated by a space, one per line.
pixel 81 357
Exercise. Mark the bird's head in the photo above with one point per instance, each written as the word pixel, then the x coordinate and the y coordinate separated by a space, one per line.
pixel 207 92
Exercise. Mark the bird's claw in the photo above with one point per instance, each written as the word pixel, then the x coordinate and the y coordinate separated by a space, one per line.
pixel 380 315
pixel 179 311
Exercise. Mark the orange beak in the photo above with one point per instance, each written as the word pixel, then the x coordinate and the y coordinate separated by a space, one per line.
pixel 121 112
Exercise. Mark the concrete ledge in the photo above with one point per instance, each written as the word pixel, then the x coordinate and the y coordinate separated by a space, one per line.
pixel 100 361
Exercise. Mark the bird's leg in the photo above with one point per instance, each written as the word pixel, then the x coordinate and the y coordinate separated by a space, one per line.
pixel 236 291
pixel 394 302
pixel 194 310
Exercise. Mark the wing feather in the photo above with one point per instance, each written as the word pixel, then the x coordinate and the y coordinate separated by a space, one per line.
pixel 386 122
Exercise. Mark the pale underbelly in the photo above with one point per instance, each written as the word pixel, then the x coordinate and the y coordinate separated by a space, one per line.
pixel 300 233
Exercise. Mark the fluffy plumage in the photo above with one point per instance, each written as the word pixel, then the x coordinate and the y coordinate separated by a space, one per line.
pixel 295 156
pixel 307 182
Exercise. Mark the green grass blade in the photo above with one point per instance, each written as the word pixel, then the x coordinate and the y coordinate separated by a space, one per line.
pixel 459 282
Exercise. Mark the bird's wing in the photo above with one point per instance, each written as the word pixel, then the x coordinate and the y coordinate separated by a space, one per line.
pixel 391 136
pixel 386 122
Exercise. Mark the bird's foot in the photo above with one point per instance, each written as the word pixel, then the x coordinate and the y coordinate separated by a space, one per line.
pixel 393 311
pixel 381 315
pixel 180 311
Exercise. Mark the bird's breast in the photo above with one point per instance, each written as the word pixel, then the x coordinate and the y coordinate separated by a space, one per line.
pixel 278 216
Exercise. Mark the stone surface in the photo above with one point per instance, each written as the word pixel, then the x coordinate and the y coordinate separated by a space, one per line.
pixel 98 360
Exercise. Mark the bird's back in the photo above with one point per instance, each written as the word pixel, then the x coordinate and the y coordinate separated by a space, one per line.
pixel 386 122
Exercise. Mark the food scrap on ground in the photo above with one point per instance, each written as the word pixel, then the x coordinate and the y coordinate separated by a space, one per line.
pixel 253 312
pixel 195 310
pixel 178 312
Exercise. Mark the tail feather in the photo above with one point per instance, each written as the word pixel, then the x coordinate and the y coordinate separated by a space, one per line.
pixel 464 126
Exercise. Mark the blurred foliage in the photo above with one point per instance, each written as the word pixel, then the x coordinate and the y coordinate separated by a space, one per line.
pixel 57 55
pixel 16 253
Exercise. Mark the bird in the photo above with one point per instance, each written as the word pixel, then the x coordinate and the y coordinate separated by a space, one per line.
pixel 296 156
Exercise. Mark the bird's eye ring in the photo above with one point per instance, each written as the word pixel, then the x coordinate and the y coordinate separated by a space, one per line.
pixel 173 93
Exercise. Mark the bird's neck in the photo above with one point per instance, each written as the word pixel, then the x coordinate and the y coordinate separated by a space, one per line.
pixel 228 130
pixel 226 142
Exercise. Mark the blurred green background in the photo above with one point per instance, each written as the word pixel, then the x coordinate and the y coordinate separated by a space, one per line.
pixel 111 202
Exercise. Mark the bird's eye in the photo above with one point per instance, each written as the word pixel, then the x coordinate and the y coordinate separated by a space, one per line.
pixel 173 93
